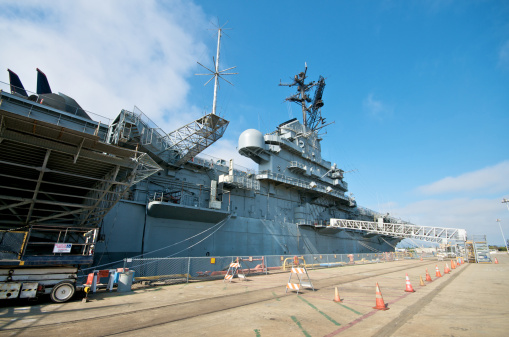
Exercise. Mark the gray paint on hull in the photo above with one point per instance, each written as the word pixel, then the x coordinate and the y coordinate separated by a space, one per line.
pixel 237 236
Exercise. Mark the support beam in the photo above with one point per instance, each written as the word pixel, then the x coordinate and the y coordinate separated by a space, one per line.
pixel 38 186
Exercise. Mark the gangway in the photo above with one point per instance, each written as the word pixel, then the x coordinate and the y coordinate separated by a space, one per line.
pixel 478 250
pixel 177 147
pixel 424 233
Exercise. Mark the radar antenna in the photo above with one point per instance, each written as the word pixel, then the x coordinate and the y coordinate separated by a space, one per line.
pixel 311 115
pixel 216 73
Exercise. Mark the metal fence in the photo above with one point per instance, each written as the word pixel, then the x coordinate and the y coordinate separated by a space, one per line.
pixel 191 269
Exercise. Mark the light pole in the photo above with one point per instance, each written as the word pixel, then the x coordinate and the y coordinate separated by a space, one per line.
pixel 505 242
pixel 506 202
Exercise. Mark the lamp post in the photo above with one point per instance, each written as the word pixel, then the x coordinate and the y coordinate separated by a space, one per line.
pixel 505 242
pixel 506 202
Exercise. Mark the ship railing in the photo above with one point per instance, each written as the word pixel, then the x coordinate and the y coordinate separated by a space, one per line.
pixel 47 244
pixel 149 132
pixel 35 101
pixel 309 185
pixel 171 270
pixel 296 164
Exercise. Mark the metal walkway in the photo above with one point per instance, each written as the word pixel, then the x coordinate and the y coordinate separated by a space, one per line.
pixel 425 233
pixel 176 147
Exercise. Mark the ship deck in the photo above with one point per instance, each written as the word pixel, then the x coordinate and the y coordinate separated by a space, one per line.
pixel 469 301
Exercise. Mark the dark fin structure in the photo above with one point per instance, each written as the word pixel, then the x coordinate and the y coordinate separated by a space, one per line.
pixel 42 83
pixel 16 85
pixel 73 107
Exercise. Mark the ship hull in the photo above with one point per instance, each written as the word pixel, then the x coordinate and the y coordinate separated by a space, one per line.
pixel 136 233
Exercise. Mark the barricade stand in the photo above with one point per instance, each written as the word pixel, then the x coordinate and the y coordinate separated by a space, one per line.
pixel 232 270
pixel 302 284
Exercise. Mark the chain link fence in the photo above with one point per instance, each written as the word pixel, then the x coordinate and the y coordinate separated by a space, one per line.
pixel 190 269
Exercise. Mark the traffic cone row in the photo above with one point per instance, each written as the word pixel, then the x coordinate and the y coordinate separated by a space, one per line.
pixel 381 305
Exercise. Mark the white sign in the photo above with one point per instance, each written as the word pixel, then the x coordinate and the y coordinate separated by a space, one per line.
pixel 62 248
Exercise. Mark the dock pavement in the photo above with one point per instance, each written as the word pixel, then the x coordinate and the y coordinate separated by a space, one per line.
pixel 472 300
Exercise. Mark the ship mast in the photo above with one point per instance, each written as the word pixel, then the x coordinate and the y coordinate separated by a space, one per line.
pixel 216 73
pixel 311 115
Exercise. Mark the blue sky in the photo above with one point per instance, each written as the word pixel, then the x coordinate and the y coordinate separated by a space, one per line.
pixel 418 90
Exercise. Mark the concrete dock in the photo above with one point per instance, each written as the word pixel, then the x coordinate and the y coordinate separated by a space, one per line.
pixel 469 301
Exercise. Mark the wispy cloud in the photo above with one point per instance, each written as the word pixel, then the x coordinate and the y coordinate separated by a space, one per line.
pixel 503 55
pixel 227 149
pixel 108 55
pixel 489 180
pixel 477 216
pixel 376 108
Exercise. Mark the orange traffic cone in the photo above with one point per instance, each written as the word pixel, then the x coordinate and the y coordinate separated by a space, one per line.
pixel 438 272
pixel 496 261
pixel 421 258
pixel 409 288
pixel 336 296
pixel 453 266
pixel 380 304
pixel 428 278
pixel 422 282
pixel 446 269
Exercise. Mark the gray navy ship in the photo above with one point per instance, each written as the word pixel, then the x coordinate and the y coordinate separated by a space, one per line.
pixel 198 206
pixel 148 192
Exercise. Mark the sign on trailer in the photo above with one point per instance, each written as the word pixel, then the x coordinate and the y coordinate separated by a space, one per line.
pixel 62 248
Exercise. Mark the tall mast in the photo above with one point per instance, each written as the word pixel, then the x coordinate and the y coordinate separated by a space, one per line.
pixel 311 114
pixel 216 73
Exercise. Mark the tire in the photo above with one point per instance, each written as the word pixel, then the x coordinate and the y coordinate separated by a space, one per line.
pixel 62 292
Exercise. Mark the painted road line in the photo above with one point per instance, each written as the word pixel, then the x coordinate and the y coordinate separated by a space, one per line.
pixel 360 319
pixel 321 312
pixel 353 310
pixel 300 326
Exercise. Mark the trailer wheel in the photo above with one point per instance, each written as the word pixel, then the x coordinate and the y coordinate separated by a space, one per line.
pixel 62 292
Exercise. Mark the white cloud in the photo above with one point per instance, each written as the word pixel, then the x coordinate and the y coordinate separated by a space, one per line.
pixel 477 216
pixel 489 180
pixel 108 55
pixel 376 108
pixel 227 149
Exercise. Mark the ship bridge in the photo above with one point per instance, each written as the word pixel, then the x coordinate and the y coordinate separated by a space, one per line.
pixel 404 231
